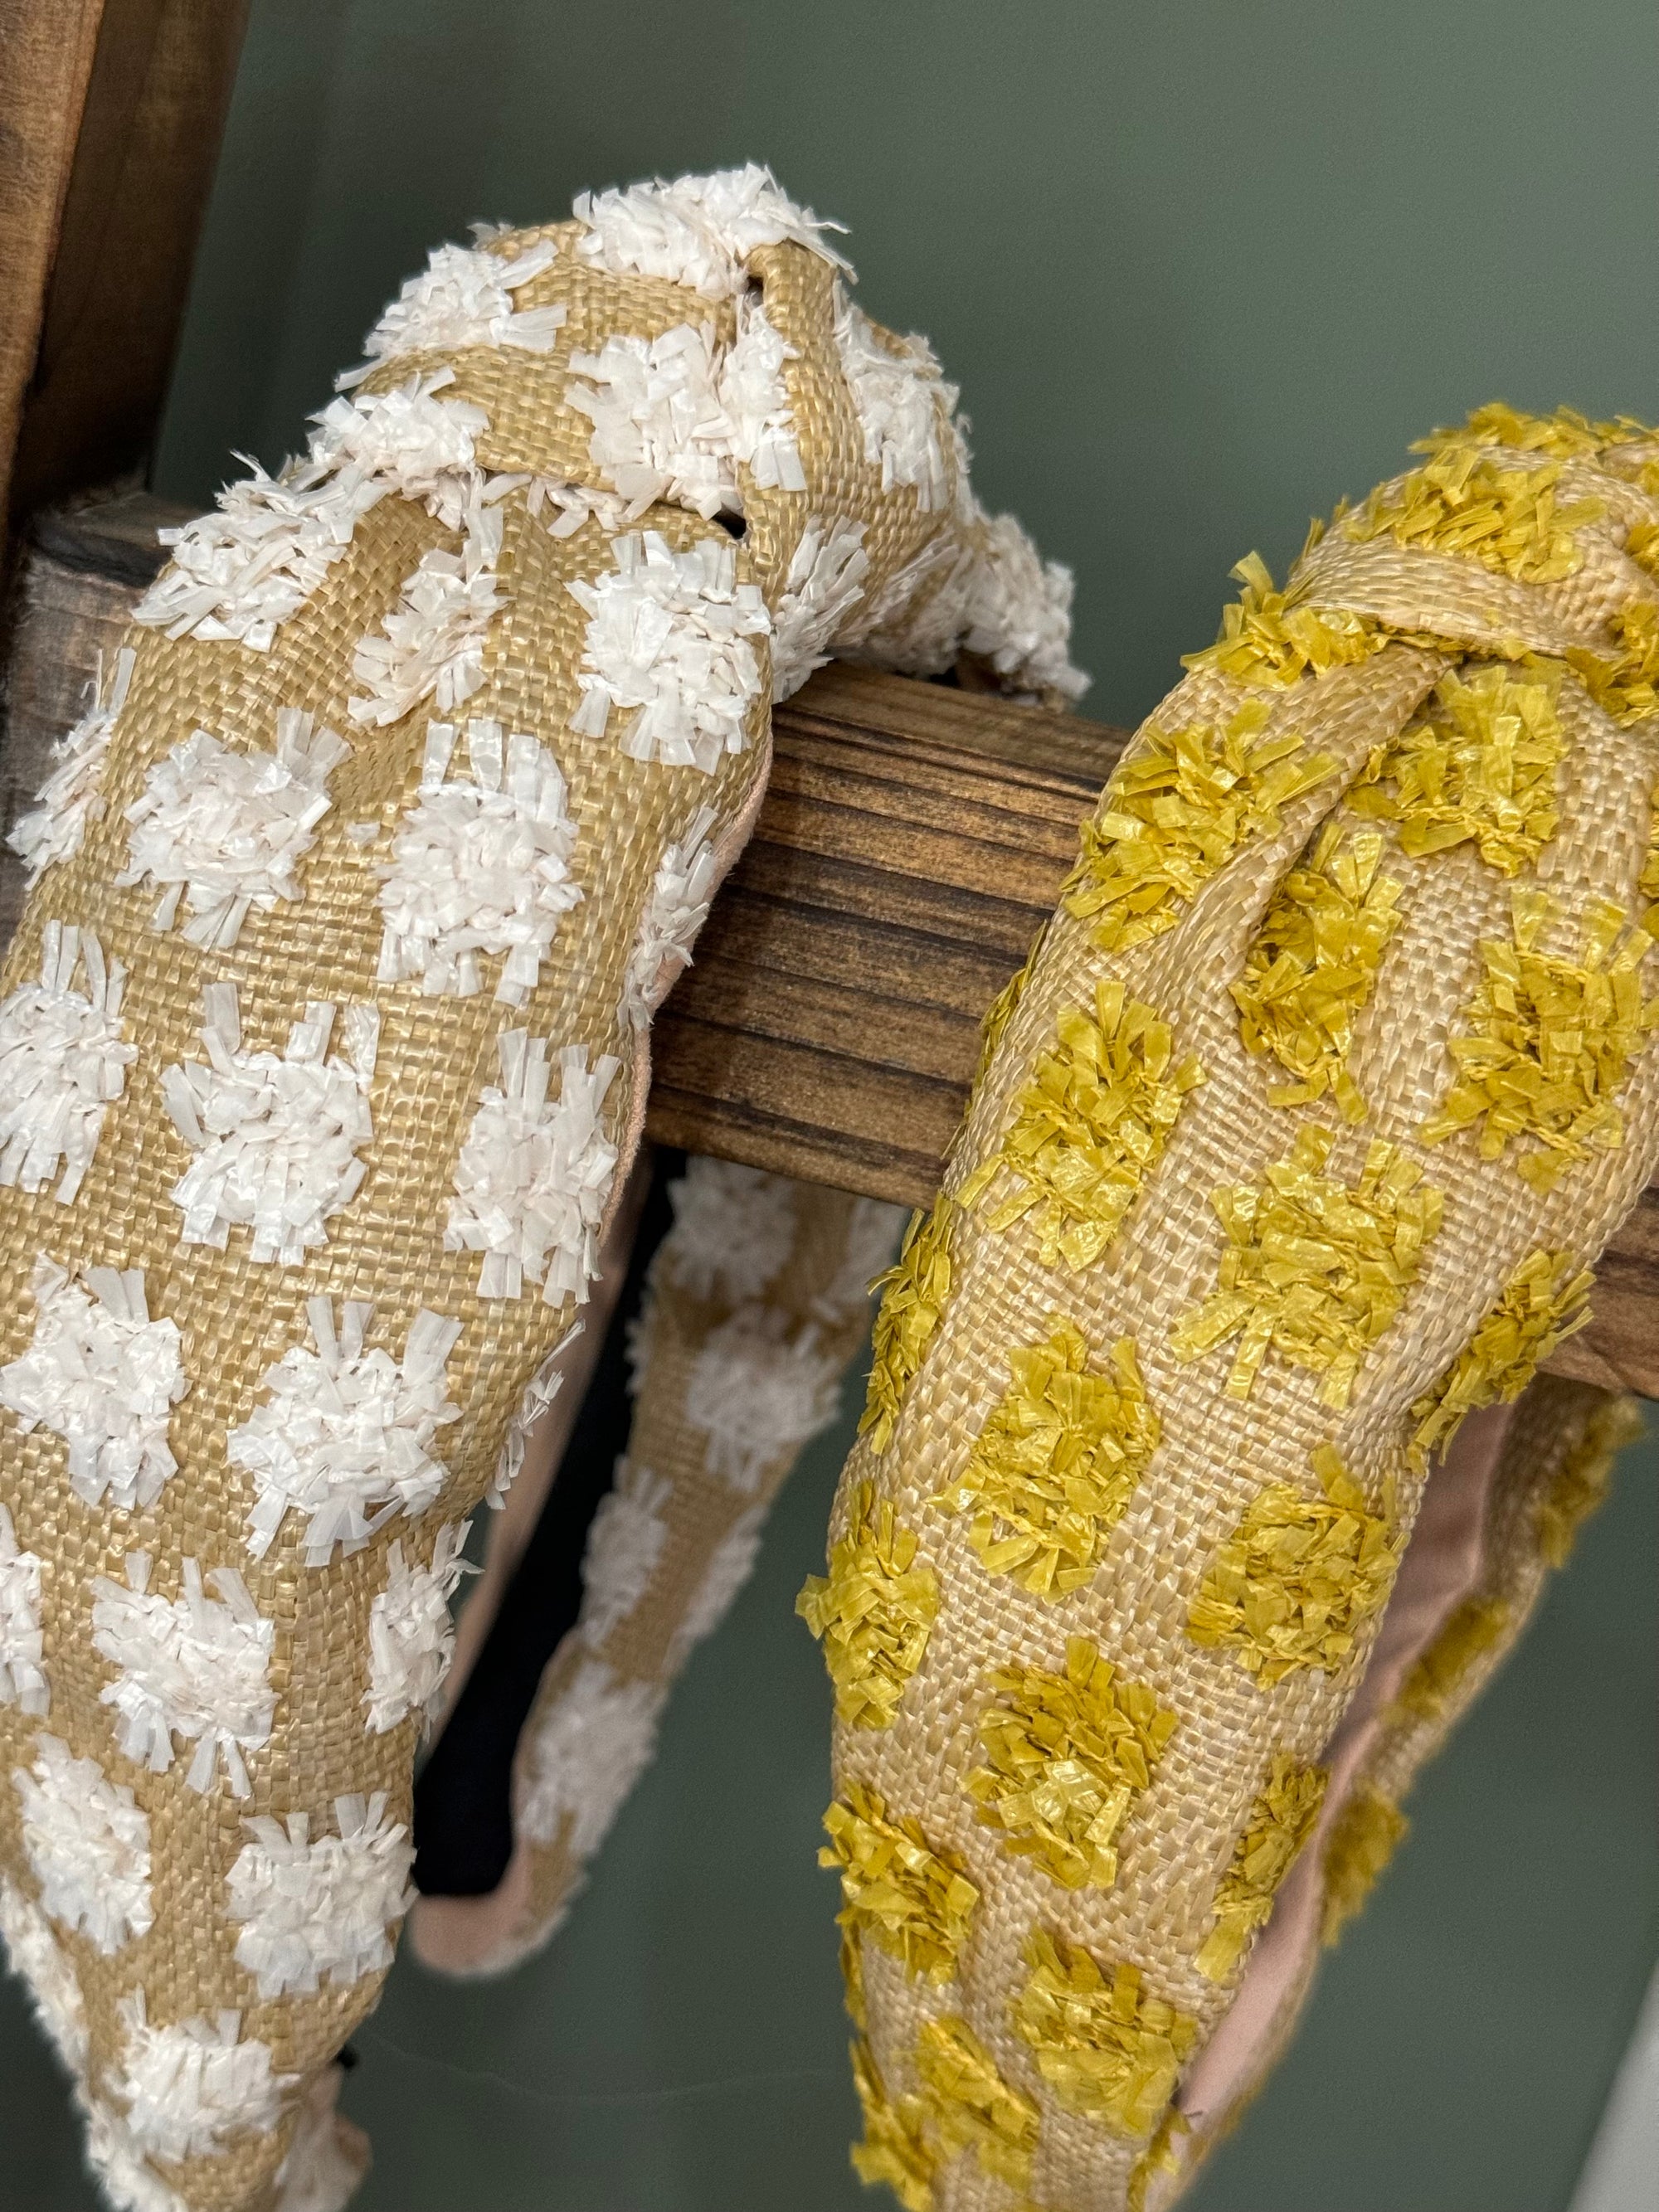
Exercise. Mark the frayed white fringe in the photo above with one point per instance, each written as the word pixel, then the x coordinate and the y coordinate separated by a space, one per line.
pixel 41 1964
pixel 55 828
pixel 873 1229
pixel 587 1752
pixel 734 1228
pixel 316 1912
pixel 188 2087
pixel 195 1668
pixel 730 1566
pixel 86 1841
pixel 543 1388
pixel 626 1540
pixel 411 1638
pixel 682 891
pixel 533 1176
pixel 225 831
pixel 697 230
pixel 481 865
pixel 63 1060
pixel 277 1140
pixel 1019 614
pixel 22 1642
pixel 463 298
pixel 104 1376
pixel 431 645
pixel 903 402
pixel 824 583
pixel 345 1437
pixel 756 1396
pixel 129 2181
pixel 667 644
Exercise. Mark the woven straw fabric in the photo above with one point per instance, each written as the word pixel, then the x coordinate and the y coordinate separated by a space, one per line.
pixel 144 2003
pixel 756 1300
pixel 999 2080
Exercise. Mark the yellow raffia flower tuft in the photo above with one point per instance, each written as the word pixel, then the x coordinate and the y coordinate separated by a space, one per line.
pixel 895 2150
pixel 1437 1675
pixel 1313 1269
pixel 1088 1126
pixel 1159 2157
pixel 874 1612
pixel 1550 1043
pixel 1179 806
pixel 1068 1753
pixel 1463 501
pixel 1298 1575
pixel 1566 435
pixel 914 1901
pixel 1056 1463
pixel 1313 965
pixel 851 1976
pixel 1108 2049
pixel 1479 763
pixel 1364 1837
pixel 1624 683
pixel 1541 1306
pixel 1269 639
pixel 970 2106
pixel 1001 1010
pixel 1279 1823
pixel 1648 882
pixel 914 1291
pixel 1581 1484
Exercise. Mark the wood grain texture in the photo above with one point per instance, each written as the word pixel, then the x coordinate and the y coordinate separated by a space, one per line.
pixel 912 842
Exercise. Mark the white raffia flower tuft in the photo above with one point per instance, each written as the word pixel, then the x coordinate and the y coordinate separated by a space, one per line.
pixel 408 441
pixel 626 1540
pixel 481 865
pixel 189 2087
pixel 128 2179
pixel 311 1913
pixel 327 2157
pixel 225 831
pixel 538 1393
pixel 659 429
pixel 55 828
pixel 873 1229
pixel 588 1750
pixel 62 1059
pixel 916 623
pixel 431 645
pixel 1020 614
pixel 411 1638
pixel 668 644
pixel 824 583
pixel 756 1396
pixel 697 230
pixel 86 1841
pixel 277 1140
pixel 574 505
pixel 22 1642
pixel 463 297
pixel 195 1668
pixel 40 1961
pixel 345 1436
pixel 103 1376
pixel 735 1227
pixel 730 1566
pixel 903 402
pixel 533 1176
pixel 682 891
pixel 756 400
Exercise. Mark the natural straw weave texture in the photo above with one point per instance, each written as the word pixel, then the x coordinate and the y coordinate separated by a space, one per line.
pixel 991 2087
pixel 436 1055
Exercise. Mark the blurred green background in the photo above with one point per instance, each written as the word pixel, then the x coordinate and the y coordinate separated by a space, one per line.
pixel 1200 270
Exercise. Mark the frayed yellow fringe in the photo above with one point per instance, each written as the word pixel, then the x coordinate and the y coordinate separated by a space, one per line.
pixel 1566 435
pixel 1314 964
pixel 1542 1303
pixel 1463 501
pixel 1108 2049
pixel 1068 1753
pixel 1582 1484
pixel 1055 1464
pixel 1279 1823
pixel 1549 1042
pixel 1624 683
pixel 1480 764
pixel 1160 2156
pixel 970 2105
pixel 1312 1268
pixel 1298 1575
pixel 872 1611
pixel 914 1291
pixel 1269 639
pixel 1088 1128
pixel 912 1900
pixel 1178 807
pixel 1364 1837
pixel 1436 1678
pixel 895 2150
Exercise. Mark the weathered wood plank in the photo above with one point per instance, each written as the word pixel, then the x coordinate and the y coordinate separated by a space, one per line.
pixel 912 842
